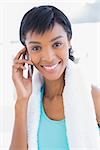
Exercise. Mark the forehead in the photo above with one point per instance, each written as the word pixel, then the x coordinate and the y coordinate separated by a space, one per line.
pixel 47 35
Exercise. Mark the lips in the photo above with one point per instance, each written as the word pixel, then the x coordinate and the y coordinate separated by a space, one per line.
pixel 50 67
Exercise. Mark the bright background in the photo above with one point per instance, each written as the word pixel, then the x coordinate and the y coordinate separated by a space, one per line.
pixel 85 18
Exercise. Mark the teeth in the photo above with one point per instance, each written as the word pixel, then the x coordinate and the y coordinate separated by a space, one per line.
pixel 52 67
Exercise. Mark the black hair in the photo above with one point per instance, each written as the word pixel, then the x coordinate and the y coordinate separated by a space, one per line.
pixel 43 18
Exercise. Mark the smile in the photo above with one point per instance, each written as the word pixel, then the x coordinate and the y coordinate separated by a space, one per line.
pixel 50 68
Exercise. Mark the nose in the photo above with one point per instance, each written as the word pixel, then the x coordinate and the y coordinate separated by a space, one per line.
pixel 49 56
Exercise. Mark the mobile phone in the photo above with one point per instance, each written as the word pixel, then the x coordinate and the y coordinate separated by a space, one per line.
pixel 29 68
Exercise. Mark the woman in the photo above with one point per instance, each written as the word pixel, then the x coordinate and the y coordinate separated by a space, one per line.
pixel 54 105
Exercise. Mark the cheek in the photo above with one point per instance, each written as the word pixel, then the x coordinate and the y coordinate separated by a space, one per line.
pixel 34 58
pixel 65 51
pixel 64 55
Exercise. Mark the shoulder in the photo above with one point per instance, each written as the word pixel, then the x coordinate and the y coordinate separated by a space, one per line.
pixel 96 98
pixel 95 92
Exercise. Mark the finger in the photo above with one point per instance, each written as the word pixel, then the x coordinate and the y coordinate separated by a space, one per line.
pixel 23 61
pixel 25 55
pixel 16 72
pixel 19 67
pixel 20 53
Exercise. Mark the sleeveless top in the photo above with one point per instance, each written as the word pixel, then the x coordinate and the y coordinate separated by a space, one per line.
pixel 51 133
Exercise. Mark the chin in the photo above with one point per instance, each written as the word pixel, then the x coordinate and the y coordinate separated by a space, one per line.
pixel 53 77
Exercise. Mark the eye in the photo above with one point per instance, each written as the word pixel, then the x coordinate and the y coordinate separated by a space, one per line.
pixel 36 48
pixel 57 44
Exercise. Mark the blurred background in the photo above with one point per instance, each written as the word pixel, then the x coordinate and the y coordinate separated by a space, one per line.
pixel 85 18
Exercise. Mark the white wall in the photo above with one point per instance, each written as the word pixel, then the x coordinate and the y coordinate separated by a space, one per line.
pixel 87 46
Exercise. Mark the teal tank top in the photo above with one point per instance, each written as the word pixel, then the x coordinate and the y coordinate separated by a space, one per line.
pixel 51 133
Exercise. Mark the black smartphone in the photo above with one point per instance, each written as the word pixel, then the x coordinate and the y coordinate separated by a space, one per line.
pixel 29 68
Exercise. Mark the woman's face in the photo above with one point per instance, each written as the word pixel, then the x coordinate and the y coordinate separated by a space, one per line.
pixel 49 52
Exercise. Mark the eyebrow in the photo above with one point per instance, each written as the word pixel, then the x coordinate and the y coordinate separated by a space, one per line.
pixel 56 38
pixel 36 42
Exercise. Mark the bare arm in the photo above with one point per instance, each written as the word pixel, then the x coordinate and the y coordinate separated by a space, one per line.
pixel 96 99
pixel 19 138
pixel 23 91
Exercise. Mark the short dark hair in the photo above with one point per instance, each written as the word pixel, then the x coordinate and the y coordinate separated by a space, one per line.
pixel 43 18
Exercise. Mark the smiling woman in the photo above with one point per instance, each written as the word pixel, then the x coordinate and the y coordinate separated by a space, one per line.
pixel 56 96
pixel 49 52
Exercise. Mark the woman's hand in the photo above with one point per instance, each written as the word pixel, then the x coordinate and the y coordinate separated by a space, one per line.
pixel 23 86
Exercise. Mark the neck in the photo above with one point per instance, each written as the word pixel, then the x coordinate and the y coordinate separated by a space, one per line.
pixel 54 88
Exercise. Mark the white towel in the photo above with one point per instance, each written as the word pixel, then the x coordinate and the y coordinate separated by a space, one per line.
pixel 81 125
